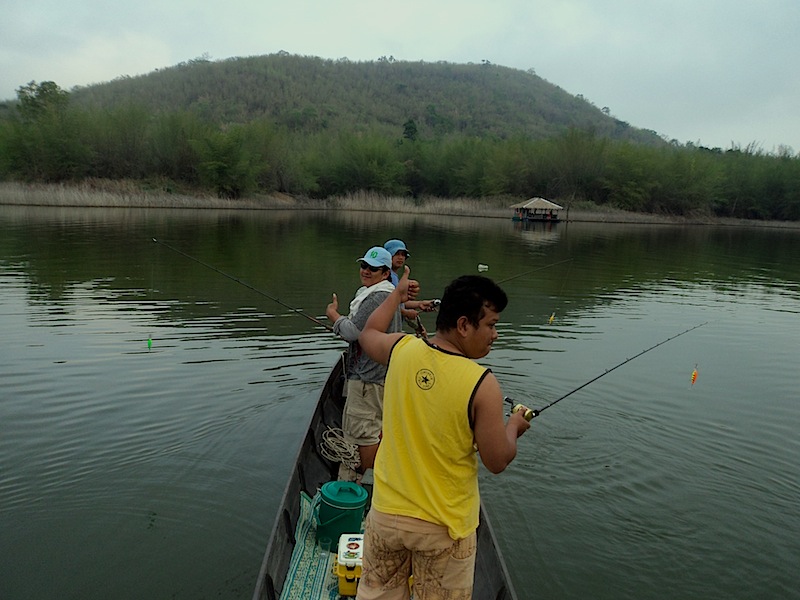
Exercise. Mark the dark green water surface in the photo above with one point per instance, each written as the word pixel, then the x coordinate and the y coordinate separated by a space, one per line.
pixel 133 472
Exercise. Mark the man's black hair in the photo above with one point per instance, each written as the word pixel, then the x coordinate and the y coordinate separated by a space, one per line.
pixel 466 297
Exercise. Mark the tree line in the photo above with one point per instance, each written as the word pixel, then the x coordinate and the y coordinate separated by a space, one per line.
pixel 48 138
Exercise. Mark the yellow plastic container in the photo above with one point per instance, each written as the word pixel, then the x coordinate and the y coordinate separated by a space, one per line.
pixel 348 562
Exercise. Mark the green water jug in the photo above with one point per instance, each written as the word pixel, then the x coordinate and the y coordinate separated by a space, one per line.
pixel 340 510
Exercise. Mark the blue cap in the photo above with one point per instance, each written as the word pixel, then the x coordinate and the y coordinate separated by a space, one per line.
pixel 394 246
pixel 377 257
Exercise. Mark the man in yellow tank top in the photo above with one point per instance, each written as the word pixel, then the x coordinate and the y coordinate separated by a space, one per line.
pixel 439 405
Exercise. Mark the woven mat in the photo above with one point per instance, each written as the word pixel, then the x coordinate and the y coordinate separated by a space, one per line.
pixel 310 575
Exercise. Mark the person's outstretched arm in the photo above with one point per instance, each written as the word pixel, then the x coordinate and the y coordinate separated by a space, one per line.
pixel 496 438
pixel 373 339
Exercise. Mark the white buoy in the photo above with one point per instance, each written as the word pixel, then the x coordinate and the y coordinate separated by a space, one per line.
pixel 482 268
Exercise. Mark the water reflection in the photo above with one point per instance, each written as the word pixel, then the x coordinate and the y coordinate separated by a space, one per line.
pixel 121 458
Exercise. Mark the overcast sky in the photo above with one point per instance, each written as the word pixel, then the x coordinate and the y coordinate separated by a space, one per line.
pixel 713 72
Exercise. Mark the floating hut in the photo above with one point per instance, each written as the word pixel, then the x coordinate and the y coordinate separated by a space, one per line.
pixel 536 209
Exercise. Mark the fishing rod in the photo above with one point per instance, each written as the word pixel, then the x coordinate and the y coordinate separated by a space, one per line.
pixel 531 413
pixel 245 284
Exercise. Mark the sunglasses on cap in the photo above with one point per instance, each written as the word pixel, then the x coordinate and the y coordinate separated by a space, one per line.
pixel 366 265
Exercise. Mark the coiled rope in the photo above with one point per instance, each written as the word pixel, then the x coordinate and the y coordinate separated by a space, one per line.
pixel 336 449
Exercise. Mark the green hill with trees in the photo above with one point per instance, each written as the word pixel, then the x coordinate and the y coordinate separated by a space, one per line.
pixel 307 95
pixel 316 128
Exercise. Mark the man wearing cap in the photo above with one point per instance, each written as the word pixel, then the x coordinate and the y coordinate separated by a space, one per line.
pixel 363 411
pixel 410 309
pixel 399 253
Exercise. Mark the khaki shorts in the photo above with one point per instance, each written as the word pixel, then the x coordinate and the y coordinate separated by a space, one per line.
pixel 363 413
pixel 396 546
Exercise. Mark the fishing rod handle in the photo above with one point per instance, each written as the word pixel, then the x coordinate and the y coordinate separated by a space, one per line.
pixel 529 413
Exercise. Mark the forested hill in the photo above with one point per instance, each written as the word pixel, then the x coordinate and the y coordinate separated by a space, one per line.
pixel 312 94
pixel 319 128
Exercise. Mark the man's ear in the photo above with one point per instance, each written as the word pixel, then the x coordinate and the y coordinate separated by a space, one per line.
pixel 462 326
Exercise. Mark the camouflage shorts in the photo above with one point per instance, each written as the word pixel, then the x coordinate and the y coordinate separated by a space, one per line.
pixel 396 547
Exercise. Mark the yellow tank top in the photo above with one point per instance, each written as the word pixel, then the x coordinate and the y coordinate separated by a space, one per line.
pixel 426 466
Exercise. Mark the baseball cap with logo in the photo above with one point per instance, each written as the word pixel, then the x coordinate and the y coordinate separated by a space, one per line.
pixel 377 257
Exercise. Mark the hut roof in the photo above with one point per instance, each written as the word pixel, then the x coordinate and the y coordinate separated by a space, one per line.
pixel 538 203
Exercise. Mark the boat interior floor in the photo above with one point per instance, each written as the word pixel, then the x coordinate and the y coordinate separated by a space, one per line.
pixel 311 575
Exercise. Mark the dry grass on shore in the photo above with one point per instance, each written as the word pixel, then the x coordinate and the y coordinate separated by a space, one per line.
pixel 367 201
pixel 125 194
pixel 131 194
pixel 115 194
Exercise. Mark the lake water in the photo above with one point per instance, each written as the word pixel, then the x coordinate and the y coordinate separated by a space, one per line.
pixel 150 408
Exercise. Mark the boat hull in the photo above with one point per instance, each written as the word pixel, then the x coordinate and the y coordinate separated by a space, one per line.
pixel 311 470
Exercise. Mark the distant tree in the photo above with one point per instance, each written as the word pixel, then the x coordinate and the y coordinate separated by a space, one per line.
pixel 48 140
pixel 119 139
pixel 35 99
pixel 578 163
pixel 205 57
pixel 225 163
pixel 439 123
pixel 410 130
pixel 631 178
pixel 368 162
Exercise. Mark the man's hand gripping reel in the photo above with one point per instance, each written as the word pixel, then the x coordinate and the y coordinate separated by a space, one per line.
pixel 529 413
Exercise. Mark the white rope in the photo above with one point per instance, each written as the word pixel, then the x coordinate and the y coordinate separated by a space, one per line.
pixel 336 449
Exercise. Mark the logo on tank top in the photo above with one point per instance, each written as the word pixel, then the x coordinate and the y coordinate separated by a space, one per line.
pixel 425 379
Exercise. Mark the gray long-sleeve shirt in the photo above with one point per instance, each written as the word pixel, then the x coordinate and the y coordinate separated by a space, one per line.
pixel 359 365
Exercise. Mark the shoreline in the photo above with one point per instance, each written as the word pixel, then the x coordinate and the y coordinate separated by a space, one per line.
pixel 126 194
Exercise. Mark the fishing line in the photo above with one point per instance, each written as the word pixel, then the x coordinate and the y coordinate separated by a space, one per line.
pixel 566 276
pixel 245 284
pixel 531 413
pixel 561 262
pixel 560 292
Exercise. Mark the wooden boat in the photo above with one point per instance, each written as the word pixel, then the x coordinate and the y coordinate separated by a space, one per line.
pixel 311 471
